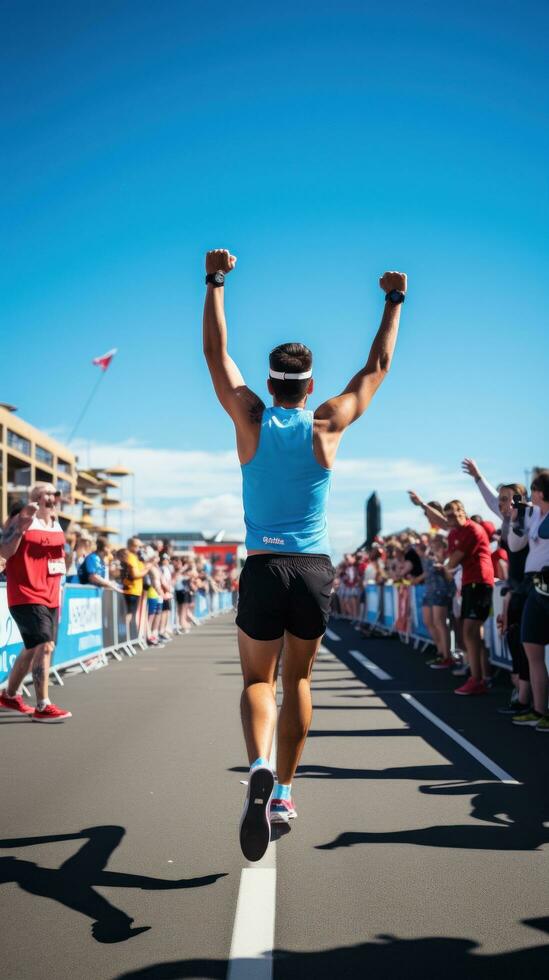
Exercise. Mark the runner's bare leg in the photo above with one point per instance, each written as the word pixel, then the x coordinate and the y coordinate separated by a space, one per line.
pixel 297 709
pixel 259 660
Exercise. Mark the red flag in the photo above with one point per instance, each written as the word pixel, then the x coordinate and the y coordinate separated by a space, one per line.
pixel 105 359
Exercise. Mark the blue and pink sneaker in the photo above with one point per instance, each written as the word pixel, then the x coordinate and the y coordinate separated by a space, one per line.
pixel 282 811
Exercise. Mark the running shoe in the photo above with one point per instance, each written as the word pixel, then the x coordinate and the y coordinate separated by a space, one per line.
pixel 51 713
pixel 472 686
pixel 282 811
pixel 530 719
pixel 442 664
pixel 513 706
pixel 255 825
pixel 543 724
pixel 433 660
pixel 15 704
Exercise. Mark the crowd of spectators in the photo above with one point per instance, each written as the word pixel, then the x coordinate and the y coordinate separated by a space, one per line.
pixel 152 580
pixel 458 559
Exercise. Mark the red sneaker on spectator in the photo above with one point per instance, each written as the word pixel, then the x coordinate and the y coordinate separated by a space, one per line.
pixel 472 687
pixel 51 713
pixel 15 704
pixel 442 664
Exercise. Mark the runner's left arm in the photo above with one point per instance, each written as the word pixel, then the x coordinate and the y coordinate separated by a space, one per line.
pixel 347 407
pixel 236 398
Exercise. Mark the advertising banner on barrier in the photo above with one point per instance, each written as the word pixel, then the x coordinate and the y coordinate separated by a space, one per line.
pixel 80 630
pixel 10 637
pixel 499 651
pixel 372 603
pixel 92 619
pixel 389 605
pixel 418 625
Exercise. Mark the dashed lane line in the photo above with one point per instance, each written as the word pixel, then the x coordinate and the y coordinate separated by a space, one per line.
pixel 332 636
pixel 381 674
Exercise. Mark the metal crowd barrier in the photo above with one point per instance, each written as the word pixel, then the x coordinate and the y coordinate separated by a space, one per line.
pixel 392 609
pixel 94 625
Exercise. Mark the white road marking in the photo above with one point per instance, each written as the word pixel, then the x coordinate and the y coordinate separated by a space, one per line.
pixel 251 956
pixel 331 635
pixel 465 744
pixel 382 675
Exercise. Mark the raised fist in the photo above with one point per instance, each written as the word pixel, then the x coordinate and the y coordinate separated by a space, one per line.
pixel 219 260
pixel 26 516
pixel 394 280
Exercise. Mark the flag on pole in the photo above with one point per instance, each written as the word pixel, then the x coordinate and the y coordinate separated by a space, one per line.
pixel 105 359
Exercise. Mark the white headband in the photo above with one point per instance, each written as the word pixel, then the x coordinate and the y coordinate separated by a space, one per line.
pixel 284 376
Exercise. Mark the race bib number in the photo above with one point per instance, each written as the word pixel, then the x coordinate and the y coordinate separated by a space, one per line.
pixel 56 566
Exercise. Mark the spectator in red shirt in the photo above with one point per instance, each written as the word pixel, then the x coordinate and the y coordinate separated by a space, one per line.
pixel 468 546
pixel 34 545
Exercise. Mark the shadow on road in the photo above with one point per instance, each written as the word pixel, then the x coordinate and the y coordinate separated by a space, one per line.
pixel 521 822
pixel 72 884
pixel 389 956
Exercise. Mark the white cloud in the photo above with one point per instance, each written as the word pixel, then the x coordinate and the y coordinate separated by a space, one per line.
pixel 192 490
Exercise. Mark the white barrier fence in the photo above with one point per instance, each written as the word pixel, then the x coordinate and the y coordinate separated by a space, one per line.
pixel 93 625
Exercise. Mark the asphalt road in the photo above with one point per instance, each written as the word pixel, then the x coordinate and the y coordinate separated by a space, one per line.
pixel 119 855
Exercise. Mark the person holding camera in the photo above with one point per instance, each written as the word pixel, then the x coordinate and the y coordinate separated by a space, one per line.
pixel 500 502
pixel 530 524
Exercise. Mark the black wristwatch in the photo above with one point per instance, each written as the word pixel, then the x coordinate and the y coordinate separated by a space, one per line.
pixel 216 278
pixel 395 296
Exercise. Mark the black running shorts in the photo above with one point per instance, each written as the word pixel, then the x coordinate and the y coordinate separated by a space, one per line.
pixel 285 592
pixel 535 619
pixel 37 624
pixel 476 601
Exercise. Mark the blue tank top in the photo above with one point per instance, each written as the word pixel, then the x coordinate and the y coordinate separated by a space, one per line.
pixel 285 490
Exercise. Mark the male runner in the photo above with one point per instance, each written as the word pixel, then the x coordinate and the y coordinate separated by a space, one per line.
pixel 34 545
pixel 286 454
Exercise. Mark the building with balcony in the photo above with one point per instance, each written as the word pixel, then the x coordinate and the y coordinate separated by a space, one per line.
pixel 28 456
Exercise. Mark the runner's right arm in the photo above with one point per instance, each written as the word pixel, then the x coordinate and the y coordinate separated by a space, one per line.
pixel 14 530
pixel 347 407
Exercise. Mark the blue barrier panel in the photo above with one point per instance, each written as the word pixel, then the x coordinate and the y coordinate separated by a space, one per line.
pixel 372 603
pixel 418 626
pixel 200 606
pixel 389 614
pixel 80 630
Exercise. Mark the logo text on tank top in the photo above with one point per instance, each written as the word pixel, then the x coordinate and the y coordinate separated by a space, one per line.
pixel 267 540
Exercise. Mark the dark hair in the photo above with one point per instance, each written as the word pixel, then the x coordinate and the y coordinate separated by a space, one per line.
pixel 435 504
pixel 476 518
pixel 541 483
pixel 101 545
pixel 291 358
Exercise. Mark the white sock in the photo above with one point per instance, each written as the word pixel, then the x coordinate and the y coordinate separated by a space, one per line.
pixel 40 705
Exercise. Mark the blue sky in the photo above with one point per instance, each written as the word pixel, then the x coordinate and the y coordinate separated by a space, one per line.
pixel 322 143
